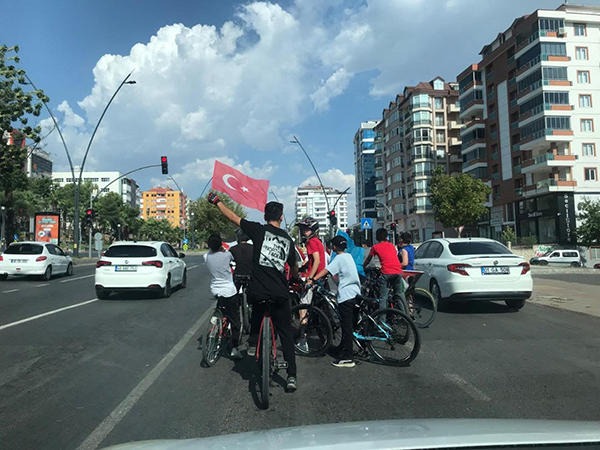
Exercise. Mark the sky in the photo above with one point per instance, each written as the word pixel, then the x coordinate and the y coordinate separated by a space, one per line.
pixel 235 81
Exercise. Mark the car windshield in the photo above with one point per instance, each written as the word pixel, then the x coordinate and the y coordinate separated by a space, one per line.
pixel 130 251
pixel 478 248
pixel 24 249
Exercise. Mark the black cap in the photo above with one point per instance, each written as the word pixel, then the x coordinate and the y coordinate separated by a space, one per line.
pixel 339 242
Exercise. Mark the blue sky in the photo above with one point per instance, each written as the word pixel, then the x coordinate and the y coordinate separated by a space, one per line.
pixel 233 81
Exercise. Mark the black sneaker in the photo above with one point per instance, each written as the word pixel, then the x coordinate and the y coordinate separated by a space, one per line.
pixel 291 384
pixel 343 363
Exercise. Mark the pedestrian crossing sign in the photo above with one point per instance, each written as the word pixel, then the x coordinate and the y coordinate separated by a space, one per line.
pixel 366 224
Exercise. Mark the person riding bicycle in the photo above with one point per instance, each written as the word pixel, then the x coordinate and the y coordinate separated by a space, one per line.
pixel 391 269
pixel 242 256
pixel 349 287
pixel 406 255
pixel 218 261
pixel 272 249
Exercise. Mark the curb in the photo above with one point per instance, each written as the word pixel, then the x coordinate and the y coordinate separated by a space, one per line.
pixel 535 270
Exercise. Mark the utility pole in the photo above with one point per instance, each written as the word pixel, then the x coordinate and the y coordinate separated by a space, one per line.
pixel 90 227
pixel 192 221
pixel 3 229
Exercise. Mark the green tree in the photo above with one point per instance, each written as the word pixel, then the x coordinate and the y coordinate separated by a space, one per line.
pixel 108 208
pixel 588 232
pixel 66 205
pixel 458 200
pixel 16 105
pixel 159 230
pixel 207 219
pixel 508 235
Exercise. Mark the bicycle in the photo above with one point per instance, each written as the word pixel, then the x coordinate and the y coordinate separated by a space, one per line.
pixel 217 334
pixel 245 310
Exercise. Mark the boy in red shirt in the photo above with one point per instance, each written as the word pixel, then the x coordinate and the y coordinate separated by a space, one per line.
pixel 391 269
pixel 309 229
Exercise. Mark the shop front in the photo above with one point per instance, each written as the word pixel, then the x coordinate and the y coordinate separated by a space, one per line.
pixel 549 218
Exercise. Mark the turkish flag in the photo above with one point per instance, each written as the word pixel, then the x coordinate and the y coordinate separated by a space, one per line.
pixel 242 189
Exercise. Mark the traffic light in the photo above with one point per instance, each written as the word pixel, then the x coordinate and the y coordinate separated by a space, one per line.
pixel 89 217
pixel 164 165
pixel 393 226
pixel 332 218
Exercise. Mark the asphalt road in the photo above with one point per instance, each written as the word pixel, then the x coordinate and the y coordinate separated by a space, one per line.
pixel 583 278
pixel 108 372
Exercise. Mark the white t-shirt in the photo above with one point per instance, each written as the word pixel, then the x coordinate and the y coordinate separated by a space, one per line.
pixel 349 283
pixel 221 282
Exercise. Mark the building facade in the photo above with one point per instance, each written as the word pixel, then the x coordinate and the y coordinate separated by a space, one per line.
pixel 311 201
pixel 531 109
pixel 165 204
pixel 39 164
pixel 419 131
pixel 364 169
pixel 127 188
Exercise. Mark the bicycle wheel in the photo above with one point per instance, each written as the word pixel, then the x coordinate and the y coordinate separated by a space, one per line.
pixel 312 334
pixel 335 320
pixel 423 307
pixel 245 313
pixel 392 337
pixel 266 355
pixel 213 339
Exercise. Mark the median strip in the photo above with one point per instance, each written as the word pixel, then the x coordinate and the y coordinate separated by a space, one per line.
pixel 39 316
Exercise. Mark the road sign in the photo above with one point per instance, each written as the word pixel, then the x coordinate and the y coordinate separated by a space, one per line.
pixel 185 241
pixel 366 224
pixel 185 247
pixel 98 236
pixel 16 237
pixel 98 242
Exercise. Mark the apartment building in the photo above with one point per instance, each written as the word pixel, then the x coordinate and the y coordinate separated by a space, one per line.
pixel 39 164
pixel 532 112
pixel 127 188
pixel 419 131
pixel 364 169
pixel 165 204
pixel 313 201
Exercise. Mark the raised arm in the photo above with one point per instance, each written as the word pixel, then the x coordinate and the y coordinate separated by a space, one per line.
pixel 229 214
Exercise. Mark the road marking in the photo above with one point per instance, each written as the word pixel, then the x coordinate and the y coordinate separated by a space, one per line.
pixel 39 316
pixel 471 390
pixel 193 267
pixel 78 278
pixel 8 292
pixel 99 434
pixel 45 284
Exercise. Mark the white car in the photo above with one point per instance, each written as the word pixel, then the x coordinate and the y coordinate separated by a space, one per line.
pixel 473 269
pixel 140 266
pixel 34 258
pixel 558 258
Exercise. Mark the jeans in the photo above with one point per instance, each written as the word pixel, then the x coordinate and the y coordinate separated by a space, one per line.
pixel 282 322
pixel 231 309
pixel 385 282
pixel 347 324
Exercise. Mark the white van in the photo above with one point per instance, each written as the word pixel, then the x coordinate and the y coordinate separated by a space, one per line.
pixel 558 258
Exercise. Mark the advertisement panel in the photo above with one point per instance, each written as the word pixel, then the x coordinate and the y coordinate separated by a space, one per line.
pixel 47 227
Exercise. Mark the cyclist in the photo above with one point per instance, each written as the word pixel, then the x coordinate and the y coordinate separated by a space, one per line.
pixel 406 255
pixel 349 287
pixel 391 269
pixel 218 261
pixel 242 255
pixel 272 249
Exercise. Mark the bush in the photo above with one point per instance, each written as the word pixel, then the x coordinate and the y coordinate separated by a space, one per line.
pixel 508 235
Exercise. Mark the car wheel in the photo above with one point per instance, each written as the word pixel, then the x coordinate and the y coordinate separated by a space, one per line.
pixel 184 280
pixel 543 263
pixel 4 277
pixel 47 274
pixel 69 271
pixel 102 294
pixel 515 304
pixel 575 264
pixel 435 290
pixel 166 293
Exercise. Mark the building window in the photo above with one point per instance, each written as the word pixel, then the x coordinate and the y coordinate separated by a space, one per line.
pixel 59 180
pixel 439 120
pixel 580 29
pixel 439 103
pixel 105 179
pixel 587 125
pixel 440 137
pixel 590 174
pixel 585 101
pixel 583 76
pixel 589 149
pixel 581 53
pixel 105 190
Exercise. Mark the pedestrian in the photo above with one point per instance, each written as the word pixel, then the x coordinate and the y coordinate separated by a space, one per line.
pixel 406 255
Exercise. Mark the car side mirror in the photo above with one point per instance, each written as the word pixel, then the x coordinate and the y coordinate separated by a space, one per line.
pixel 182 255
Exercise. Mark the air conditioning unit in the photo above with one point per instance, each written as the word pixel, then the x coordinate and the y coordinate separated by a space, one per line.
pixel 561 31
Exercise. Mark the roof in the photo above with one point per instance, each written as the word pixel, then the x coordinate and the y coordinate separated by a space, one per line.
pixel 472 239
pixel 136 243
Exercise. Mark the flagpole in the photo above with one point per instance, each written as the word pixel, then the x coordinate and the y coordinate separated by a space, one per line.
pixel 277 200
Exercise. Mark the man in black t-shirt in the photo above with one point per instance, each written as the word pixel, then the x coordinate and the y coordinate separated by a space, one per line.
pixel 272 249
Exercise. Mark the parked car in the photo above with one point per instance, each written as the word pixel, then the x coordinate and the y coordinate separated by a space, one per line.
pixel 140 266
pixel 34 258
pixel 473 269
pixel 559 258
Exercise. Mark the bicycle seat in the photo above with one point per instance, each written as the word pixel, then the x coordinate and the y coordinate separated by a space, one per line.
pixel 370 302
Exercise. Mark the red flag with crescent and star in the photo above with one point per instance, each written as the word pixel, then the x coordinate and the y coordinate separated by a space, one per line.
pixel 242 189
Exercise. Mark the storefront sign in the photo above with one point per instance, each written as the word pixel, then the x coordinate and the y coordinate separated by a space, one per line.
pixel 47 227
pixel 534 214
pixel 566 219
pixel 496 216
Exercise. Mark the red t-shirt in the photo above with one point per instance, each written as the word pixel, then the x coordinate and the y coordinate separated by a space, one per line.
pixel 314 245
pixel 388 257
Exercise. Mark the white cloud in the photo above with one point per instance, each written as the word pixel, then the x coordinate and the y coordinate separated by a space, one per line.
pixel 335 85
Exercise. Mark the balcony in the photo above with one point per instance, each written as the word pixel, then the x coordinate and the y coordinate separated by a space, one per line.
pixel 512 81
pixel 516 147
pixel 492 115
pixel 510 60
pixel 496 176
pixel 544 161
pixel 517 169
pixel 542 137
pixel 421 122
pixel 454 141
pixel 495 156
pixel 494 135
pixel 468 146
pixel 453 108
pixel 473 108
pixel 455 125
pixel 474 161
pixel 519 192
pixel 421 209
pixel 550 185
pixel 491 95
pixel 542 108
pixel 454 158
pixel 496 196
pixel 471 125
pixel 514 103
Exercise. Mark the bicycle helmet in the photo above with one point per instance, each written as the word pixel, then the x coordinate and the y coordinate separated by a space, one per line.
pixel 308 223
pixel 241 236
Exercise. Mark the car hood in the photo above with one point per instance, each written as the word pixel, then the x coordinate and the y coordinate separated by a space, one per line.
pixel 393 434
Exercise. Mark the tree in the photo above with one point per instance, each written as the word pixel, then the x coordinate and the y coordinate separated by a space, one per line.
pixel 16 104
pixel 207 219
pixel 159 230
pixel 108 208
pixel 588 232
pixel 458 200
pixel 508 235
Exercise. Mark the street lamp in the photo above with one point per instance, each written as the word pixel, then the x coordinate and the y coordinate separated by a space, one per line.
pixel 118 232
pixel 193 244
pixel 3 229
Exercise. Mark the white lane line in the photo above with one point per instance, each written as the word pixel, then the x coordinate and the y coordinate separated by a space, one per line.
pixel 45 284
pixel 193 267
pixel 99 434
pixel 39 316
pixel 471 390
pixel 8 292
pixel 78 278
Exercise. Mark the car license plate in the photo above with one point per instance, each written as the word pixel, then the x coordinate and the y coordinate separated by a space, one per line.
pixel 495 270
pixel 125 269
pixel 18 261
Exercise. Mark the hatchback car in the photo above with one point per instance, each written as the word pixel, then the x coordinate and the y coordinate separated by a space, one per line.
pixel 473 269
pixel 140 266
pixel 34 258
pixel 558 258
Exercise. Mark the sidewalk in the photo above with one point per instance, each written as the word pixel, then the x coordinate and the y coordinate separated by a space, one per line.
pixel 577 297
pixel 539 270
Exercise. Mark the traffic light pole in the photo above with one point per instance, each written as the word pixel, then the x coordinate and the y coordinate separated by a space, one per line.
pixel 90 231
pixel 393 220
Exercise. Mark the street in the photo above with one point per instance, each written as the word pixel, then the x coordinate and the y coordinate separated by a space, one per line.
pixel 107 372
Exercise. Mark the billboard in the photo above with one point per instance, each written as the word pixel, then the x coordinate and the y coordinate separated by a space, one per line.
pixel 47 227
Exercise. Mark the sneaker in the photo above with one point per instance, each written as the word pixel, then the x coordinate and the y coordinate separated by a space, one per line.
pixel 291 384
pixel 303 345
pixel 343 363
pixel 235 353
pixel 251 351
